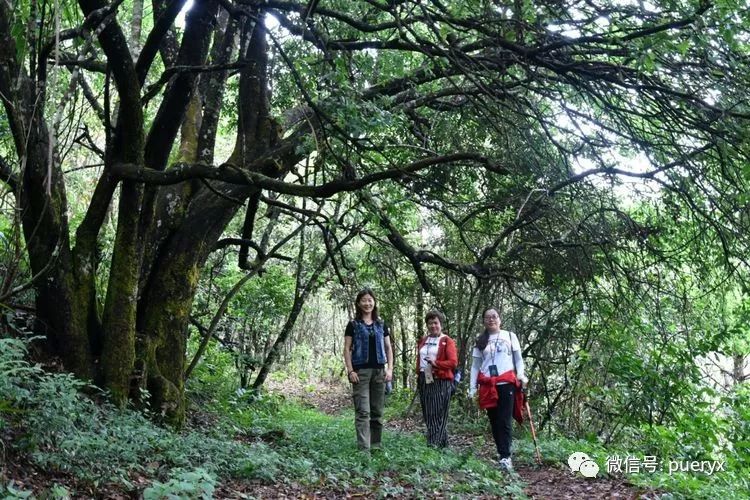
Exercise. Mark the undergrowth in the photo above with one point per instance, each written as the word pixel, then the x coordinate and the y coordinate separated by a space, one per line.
pixel 734 482
pixel 266 439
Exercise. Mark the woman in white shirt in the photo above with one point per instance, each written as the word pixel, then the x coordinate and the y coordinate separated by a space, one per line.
pixel 496 360
pixel 436 362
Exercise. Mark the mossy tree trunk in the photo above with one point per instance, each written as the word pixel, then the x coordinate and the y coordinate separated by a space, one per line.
pixel 190 237
pixel 138 340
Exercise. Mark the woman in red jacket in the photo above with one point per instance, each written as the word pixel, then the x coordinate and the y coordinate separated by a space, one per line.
pixel 436 360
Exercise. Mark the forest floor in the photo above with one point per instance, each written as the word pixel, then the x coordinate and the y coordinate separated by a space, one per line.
pixel 548 481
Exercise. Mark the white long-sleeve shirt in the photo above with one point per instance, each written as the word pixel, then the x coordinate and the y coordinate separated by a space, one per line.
pixel 503 349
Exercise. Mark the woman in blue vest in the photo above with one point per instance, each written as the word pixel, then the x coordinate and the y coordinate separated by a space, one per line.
pixel 369 364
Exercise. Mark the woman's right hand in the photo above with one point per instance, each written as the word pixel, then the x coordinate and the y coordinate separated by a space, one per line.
pixel 353 377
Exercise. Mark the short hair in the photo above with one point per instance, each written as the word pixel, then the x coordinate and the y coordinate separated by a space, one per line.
pixel 435 314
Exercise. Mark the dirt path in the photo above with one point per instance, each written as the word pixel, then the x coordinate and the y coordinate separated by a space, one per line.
pixel 549 482
pixel 542 482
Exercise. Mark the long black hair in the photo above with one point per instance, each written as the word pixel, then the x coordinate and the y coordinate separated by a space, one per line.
pixel 360 294
pixel 484 338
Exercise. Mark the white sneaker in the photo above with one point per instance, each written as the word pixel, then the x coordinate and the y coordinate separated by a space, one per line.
pixel 505 463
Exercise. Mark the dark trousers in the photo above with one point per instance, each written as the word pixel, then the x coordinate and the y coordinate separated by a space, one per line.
pixel 501 419
pixel 435 399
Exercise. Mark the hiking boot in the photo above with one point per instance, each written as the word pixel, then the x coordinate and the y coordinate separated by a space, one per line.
pixel 506 464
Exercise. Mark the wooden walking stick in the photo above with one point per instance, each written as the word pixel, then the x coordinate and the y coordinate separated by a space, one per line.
pixel 533 431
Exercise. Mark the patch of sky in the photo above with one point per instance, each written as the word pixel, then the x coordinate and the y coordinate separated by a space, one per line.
pixel 629 190
pixel 271 22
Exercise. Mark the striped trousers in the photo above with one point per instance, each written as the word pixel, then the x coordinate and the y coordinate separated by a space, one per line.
pixel 435 399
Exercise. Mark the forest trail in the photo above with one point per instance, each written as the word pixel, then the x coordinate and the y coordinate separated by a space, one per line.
pixel 548 481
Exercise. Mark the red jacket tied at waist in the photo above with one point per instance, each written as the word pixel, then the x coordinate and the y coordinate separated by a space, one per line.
pixel 488 392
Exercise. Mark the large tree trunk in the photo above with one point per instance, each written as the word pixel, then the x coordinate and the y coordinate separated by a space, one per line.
pixel 135 343
pixel 43 204
pixel 168 295
pixel 45 227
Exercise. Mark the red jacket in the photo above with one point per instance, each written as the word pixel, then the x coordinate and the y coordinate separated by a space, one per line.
pixel 446 360
pixel 488 392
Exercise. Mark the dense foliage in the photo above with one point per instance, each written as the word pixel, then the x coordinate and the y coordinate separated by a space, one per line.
pixel 191 201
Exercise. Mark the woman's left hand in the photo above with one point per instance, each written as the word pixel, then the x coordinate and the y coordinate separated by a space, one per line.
pixel 388 375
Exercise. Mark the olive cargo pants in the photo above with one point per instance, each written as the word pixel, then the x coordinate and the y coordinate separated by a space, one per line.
pixel 369 399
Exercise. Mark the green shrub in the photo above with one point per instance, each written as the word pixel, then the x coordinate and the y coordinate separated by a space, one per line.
pixel 185 484
pixel 99 443
pixel 56 492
